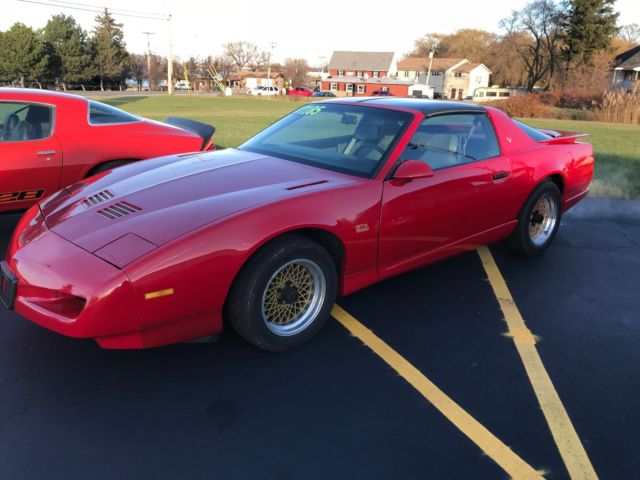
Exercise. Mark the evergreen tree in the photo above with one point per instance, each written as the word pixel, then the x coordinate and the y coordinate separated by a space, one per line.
pixel 24 55
pixel 69 42
pixel 110 55
pixel 589 25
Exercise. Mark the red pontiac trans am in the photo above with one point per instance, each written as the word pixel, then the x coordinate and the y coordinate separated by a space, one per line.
pixel 333 197
pixel 49 140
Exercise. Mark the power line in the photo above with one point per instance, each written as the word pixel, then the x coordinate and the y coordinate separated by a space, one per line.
pixel 96 10
pixel 139 12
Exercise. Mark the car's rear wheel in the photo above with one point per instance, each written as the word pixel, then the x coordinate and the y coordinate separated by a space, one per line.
pixel 284 294
pixel 538 221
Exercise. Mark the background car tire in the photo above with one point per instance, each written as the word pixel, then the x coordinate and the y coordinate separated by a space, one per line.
pixel 538 221
pixel 264 298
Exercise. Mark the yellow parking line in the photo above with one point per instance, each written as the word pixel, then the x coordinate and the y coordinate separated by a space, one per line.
pixel 573 454
pixel 489 443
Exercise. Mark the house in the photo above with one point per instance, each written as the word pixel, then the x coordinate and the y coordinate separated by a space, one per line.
pixel 454 78
pixel 626 69
pixel 363 64
pixel 351 86
pixel 360 74
pixel 246 80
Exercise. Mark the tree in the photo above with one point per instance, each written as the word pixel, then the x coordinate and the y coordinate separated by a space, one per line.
pixel 110 54
pixel 505 63
pixel 540 20
pixel 138 68
pixel 25 55
pixel 472 44
pixel 69 42
pixel 630 33
pixel 590 25
pixel 425 44
pixel 243 54
pixel 295 70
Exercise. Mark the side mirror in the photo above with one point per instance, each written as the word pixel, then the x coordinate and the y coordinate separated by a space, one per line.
pixel 412 169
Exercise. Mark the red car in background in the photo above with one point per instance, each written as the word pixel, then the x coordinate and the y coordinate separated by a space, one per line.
pixel 49 140
pixel 301 91
pixel 332 198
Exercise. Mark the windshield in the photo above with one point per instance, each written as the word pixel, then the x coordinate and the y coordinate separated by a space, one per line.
pixel 352 139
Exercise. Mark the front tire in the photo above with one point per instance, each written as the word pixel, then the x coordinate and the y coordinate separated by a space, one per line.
pixel 538 221
pixel 284 294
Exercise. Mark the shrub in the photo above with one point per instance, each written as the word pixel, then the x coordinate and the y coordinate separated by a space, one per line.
pixel 529 106
pixel 620 106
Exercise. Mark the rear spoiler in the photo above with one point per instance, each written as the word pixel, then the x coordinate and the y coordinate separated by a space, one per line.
pixel 561 138
pixel 203 130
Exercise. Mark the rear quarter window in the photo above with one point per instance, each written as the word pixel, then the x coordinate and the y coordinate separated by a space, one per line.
pixel 103 114
pixel 533 133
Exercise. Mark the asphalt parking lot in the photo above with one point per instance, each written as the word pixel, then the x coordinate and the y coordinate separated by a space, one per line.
pixel 349 406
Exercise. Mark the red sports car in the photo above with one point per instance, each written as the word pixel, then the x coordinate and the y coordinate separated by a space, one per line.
pixel 49 140
pixel 300 91
pixel 333 197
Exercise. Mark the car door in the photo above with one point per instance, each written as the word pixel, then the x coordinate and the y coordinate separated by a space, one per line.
pixel 463 198
pixel 30 155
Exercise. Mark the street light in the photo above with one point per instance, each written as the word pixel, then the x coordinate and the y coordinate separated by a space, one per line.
pixel 430 63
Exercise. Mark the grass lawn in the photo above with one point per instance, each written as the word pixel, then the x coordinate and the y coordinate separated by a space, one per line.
pixel 616 146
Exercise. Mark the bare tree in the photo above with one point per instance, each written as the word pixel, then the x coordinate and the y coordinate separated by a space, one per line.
pixel 244 54
pixel 540 20
pixel 138 68
pixel 296 69
pixel 630 33
pixel 425 44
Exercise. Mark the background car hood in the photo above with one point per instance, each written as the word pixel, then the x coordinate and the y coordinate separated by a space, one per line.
pixel 162 199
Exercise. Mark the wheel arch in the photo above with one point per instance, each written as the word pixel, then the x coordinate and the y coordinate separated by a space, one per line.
pixel 98 166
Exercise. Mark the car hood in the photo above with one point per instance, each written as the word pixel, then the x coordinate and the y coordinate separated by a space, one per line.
pixel 158 200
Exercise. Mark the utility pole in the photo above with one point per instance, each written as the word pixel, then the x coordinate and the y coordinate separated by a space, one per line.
pixel 170 60
pixel 148 34
pixel 429 72
pixel 272 45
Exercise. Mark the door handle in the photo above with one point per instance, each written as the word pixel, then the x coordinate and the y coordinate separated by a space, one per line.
pixel 500 175
pixel 46 152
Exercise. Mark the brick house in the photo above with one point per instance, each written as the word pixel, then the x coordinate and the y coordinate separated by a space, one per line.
pixel 454 78
pixel 362 73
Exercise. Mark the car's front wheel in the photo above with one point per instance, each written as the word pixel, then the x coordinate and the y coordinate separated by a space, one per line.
pixel 538 221
pixel 284 294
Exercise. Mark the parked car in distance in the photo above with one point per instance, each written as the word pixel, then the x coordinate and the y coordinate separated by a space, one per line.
pixel 323 93
pixel 301 91
pixel 264 90
pixel 381 93
pixel 438 96
pixel 334 197
pixel 49 140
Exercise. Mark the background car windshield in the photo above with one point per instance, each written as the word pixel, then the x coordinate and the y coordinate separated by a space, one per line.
pixel 347 138
pixel 103 114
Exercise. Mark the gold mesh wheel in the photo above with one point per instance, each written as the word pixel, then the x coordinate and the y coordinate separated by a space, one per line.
pixel 293 297
pixel 542 220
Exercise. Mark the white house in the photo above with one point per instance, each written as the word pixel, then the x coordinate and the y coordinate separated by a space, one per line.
pixel 454 78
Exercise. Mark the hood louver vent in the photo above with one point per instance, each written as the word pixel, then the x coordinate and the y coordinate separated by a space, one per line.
pixel 98 198
pixel 118 210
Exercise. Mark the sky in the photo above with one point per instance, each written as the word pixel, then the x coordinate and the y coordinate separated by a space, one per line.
pixel 311 30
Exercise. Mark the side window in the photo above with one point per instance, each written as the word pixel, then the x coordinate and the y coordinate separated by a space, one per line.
pixel 103 114
pixel 25 121
pixel 449 140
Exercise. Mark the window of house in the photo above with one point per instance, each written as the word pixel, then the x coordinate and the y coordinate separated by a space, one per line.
pixel 25 121
pixel 376 74
pixel 340 73
pixel 360 73
pixel 458 75
pixel 360 89
pixel 350 87
pixel 334 87
pixel 450 140
pixel 478 79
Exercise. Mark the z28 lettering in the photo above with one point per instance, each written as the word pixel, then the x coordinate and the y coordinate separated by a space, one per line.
pixel 19 196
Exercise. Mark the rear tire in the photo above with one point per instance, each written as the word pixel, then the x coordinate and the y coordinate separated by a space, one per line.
pixel 283 296
pixel 538 221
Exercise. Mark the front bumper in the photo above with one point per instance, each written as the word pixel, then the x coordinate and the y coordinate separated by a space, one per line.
pixel 70 291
